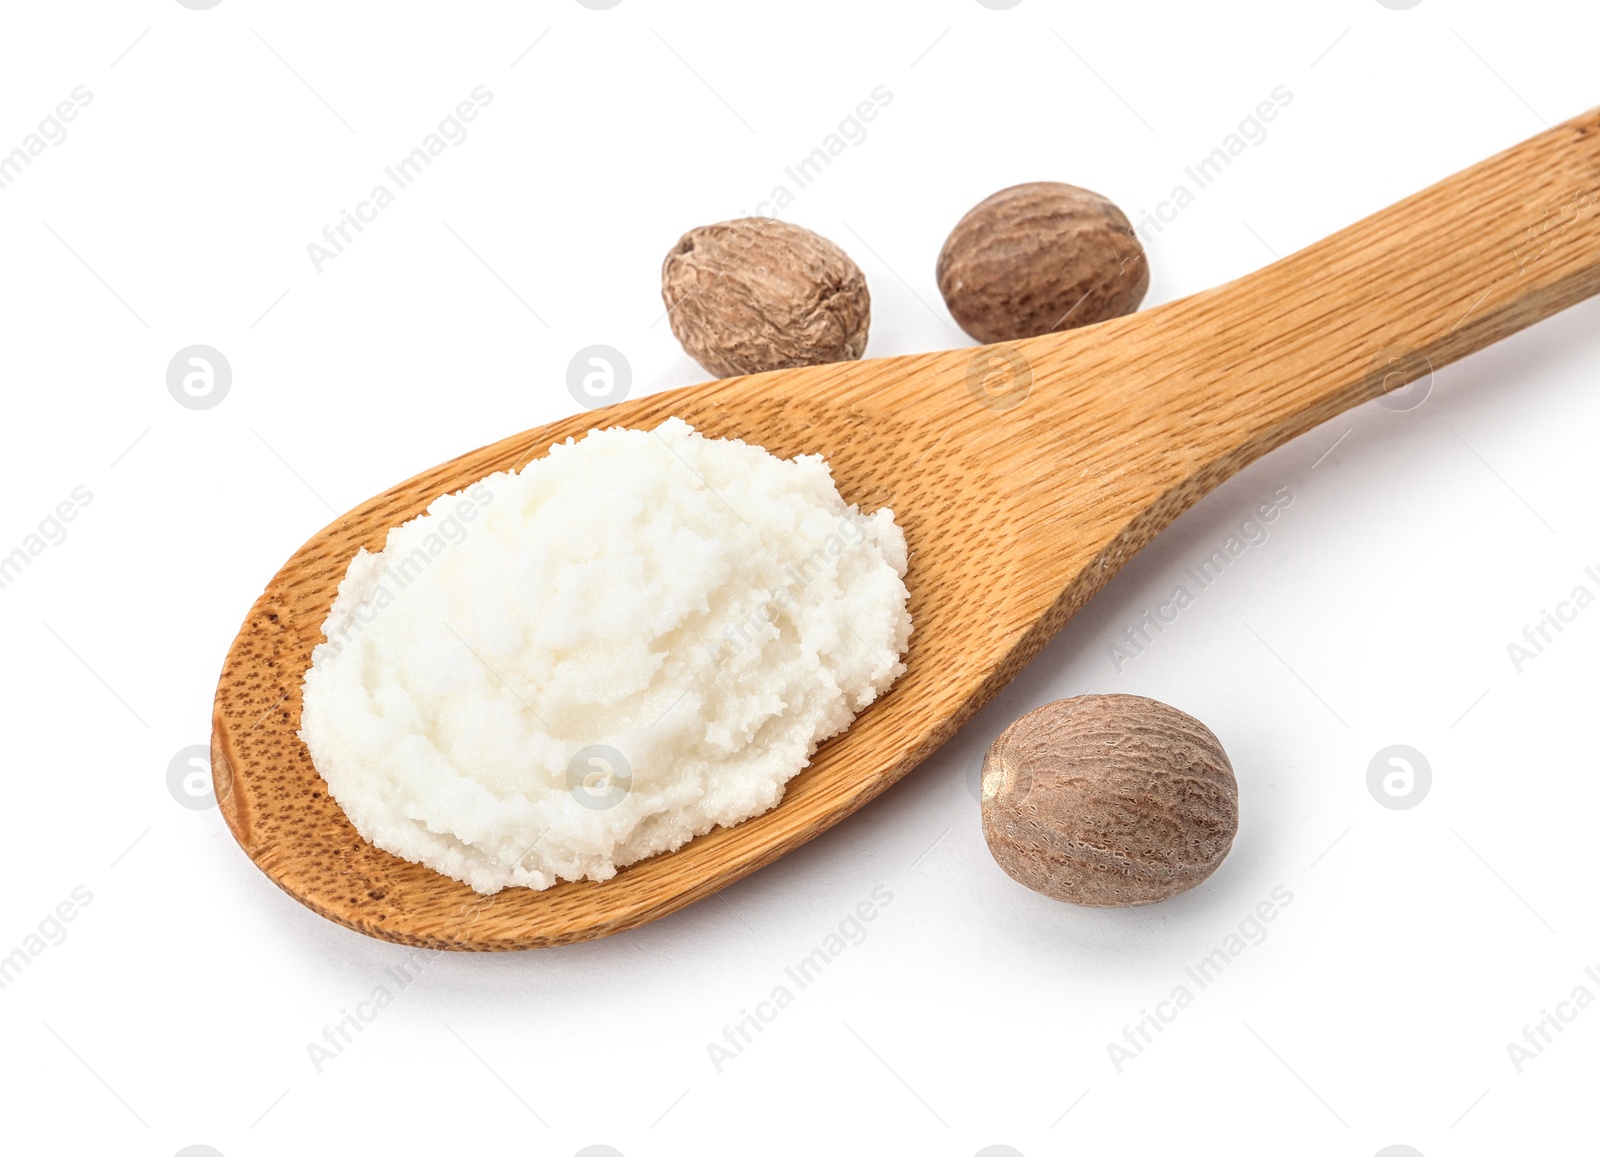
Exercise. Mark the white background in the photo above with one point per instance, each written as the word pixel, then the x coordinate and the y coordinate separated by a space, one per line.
pixel 219 143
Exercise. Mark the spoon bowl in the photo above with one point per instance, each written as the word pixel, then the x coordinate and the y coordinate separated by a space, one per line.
pixel 1024 476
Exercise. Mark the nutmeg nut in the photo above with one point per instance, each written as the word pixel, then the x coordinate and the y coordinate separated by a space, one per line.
pixel 1109 801
pixel 1038 258
pixel 760 294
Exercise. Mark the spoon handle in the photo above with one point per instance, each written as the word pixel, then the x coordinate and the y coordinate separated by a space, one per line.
pixel 1205 385
pixel 1433 278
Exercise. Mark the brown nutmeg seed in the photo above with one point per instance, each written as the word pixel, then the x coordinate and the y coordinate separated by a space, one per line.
pixel 1109 800
pixel 760 294
pixel 1039 258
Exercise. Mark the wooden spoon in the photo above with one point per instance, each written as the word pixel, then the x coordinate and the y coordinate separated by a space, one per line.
pixel 1024 475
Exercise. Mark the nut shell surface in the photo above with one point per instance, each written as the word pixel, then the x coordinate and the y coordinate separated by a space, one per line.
pixel 1041 258
pixel 1109 801
pixel 760 294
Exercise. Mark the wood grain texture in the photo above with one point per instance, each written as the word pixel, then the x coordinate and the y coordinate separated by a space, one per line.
pixel 1017 508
